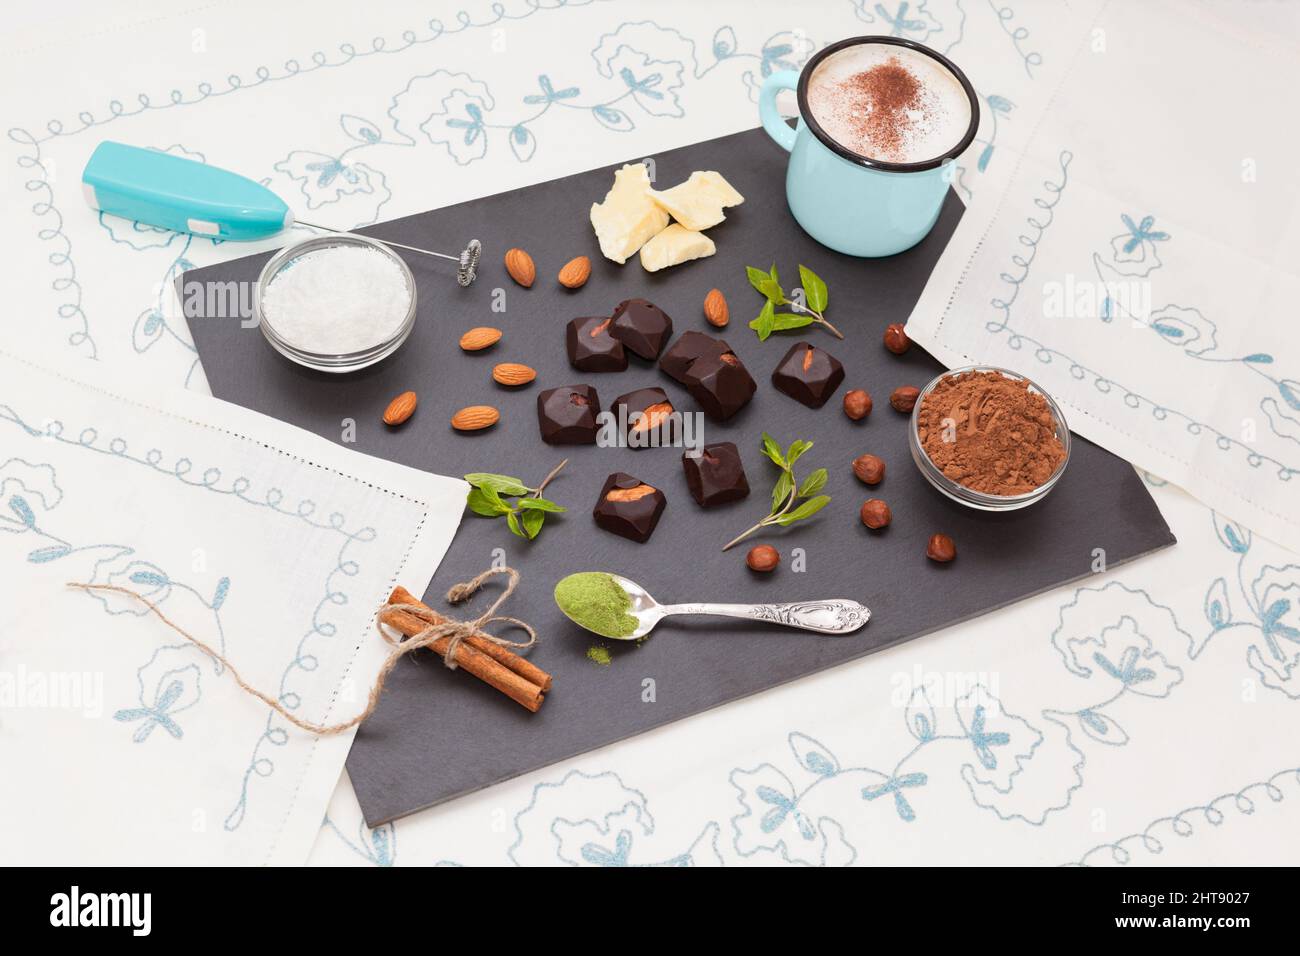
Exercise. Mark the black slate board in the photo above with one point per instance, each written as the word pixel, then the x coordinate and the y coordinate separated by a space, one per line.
pixel 437 734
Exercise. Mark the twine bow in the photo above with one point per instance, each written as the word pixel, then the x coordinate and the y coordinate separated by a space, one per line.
pixel 438 628
pixel 456 631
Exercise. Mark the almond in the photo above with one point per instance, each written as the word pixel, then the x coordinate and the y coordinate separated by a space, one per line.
pixel 512 373
pixel 474 417
pixel 520 266
pixel 575 272
pixel 630 494
pixel 400 409
pixel 715 308
pixel 480 338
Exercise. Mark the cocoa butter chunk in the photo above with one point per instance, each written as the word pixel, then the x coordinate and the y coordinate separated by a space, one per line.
pixel 673 246
pixel 808 374
pixel 698 203
pixel 628 217
pixel 629 507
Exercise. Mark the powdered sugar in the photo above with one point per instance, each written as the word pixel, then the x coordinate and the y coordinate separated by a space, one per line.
pixel 337 300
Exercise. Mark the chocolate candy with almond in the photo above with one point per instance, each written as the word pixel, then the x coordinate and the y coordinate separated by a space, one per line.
pixel 642 327
pixel 646 413
pixel 716 475
pixel 808 374
pixel 690 347
pixel 567 415
pixel 590 346
pixel 721 384
pixel 629 507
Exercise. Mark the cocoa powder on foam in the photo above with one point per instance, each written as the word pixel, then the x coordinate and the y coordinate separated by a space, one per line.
pixel 989 433
pixel 884 97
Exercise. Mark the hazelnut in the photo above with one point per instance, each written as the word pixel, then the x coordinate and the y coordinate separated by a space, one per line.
pixel 875 514
pixel 904 397
pixel 940 548
pixel 763 557
pixel 896 339
pixel 857 404
pixel 869 469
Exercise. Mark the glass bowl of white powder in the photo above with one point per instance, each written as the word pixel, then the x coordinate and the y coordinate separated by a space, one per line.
pixel 335 303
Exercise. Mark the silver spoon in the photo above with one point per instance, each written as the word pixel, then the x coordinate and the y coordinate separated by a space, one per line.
pixel 836 616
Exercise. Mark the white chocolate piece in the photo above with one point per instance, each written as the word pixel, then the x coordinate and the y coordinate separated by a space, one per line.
pixel 628 217
pixel 673 246
pixel 698 203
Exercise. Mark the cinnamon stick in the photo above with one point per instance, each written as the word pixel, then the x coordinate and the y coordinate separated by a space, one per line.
pixel 477 655
pixel 502 655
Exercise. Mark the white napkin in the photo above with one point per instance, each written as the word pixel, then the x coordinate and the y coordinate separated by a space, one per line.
pixel 121 742
pixel 1138 257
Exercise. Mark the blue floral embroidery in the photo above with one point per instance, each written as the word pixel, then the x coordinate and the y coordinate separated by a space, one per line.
pixel 159 702
pixel 1038 223
pixel 377 846
pixel 1181 825
pixel 545 834
pixel 896 786
pixel 1271 622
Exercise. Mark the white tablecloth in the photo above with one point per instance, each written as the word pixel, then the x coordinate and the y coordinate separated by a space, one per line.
pixel 1143 717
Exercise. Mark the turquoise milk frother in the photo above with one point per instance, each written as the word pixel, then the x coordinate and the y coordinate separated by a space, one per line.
pixel 183 195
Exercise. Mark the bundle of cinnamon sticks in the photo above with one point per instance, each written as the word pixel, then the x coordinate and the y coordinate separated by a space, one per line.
pixel 522 681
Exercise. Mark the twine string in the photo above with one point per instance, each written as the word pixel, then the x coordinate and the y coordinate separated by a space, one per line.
pixel 437 628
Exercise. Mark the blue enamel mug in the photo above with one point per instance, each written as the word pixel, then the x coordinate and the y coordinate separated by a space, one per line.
pixel 848 202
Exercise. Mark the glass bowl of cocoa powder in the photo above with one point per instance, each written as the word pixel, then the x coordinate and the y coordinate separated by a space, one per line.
pixel 989 438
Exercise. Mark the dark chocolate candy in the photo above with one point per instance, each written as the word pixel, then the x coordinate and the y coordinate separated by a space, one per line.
pixel 642 327
pixel 808 374
pixel 567 415
pixel 645 413
pixel 591 347
pixel 691 346
pixel 717 475
pixel 629 507
pixel 721 384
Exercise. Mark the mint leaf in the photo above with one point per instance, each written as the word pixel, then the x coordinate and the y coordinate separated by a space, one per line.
pixel 772 450
pixel 539 505
pixel 532 521
pixel 813 483
pixel 789 320
pixel 767 284
pixel 814 289
pixel 485 503
pixel 805 510
pixel 512 519
pixel 763 324
pixel 501 484
pixel 797 448
pixel 781 492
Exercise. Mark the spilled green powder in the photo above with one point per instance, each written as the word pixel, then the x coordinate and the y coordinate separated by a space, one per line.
pixel 595 600
pixel 599 655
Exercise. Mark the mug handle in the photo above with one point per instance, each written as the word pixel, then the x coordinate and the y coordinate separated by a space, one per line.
pixel 767 112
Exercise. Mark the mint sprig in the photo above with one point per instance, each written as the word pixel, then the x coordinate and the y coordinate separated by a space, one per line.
pixel 792 500
pixel 525 516
pixel 816 298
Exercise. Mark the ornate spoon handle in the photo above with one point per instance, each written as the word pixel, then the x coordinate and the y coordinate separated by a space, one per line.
pixel 835 616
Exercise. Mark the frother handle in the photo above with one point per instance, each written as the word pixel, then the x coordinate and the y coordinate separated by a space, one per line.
pixel 826 617
pixel 767 112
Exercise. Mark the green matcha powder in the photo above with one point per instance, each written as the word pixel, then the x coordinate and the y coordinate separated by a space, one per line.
pixel 595 600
